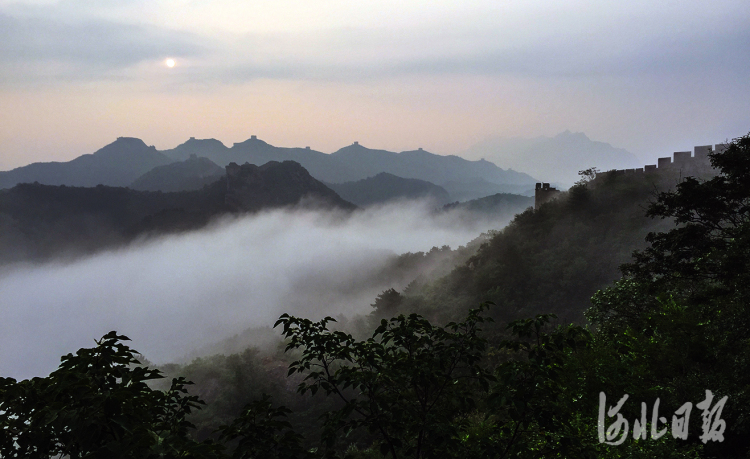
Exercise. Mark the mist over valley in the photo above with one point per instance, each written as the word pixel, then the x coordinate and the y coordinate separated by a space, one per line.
pixel 173 294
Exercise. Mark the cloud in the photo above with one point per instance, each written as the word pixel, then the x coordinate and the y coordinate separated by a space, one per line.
pixel 353 54
pixel 78 37
pixel 591 58
pixel 179 293
pixel 43 47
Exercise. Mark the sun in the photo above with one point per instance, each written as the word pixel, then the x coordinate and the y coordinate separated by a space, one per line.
pixel 170 63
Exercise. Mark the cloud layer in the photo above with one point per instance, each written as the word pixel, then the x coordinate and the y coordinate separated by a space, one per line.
pixel 177 294
pixel 81 38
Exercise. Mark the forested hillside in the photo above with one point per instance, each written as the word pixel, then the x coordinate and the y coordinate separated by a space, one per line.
pixel 38 222
pixel 552 259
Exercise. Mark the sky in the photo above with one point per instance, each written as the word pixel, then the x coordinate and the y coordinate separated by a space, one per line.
pixel 650 77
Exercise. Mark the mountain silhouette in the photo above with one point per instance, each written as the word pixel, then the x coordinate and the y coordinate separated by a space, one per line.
pixel 465 190
pixel 116 164
pixel 355 162
pixel 210 148
pixel 276 184
pixel 385 187
pixel 256 151
pixel 191 174
pixel 553 159
pixel 125 160
pixel 501 203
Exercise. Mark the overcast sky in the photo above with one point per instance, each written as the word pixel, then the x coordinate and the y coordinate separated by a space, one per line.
pixel 651 77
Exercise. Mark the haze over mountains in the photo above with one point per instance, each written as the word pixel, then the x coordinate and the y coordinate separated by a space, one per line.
pixel 128 189
pixel 492 165
pixel 126 159
pixel 553 159
pixel 356 162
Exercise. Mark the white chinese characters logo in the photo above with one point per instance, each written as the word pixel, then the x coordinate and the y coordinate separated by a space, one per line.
pixel 713 426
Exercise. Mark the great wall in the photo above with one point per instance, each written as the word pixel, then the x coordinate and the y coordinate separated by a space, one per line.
pixel 684 162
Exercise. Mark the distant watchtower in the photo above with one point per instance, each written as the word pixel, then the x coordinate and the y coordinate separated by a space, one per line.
pixel 544 193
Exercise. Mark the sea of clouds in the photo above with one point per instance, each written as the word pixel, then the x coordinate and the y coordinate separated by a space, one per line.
pixel 173 294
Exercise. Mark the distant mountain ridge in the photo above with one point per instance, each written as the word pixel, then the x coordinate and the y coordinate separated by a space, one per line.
pixel 501 203
pixel 125 160
pixel 355 162
pixel 479 188
pixel 553 159
pixel 116 164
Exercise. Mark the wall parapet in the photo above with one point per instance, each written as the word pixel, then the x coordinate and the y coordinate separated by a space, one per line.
pixel 698 158
pixel 697 161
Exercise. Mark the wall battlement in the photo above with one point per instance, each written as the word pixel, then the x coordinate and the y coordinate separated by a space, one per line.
pixel 681 160
pixel 695 162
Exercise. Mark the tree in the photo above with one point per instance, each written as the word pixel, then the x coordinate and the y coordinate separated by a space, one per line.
pixel 98 404
pixel 711 241
pixel 536 396
pixel 587 175
pixel 387 303
pixel 680 316
pixel 261 433
pixel 408 384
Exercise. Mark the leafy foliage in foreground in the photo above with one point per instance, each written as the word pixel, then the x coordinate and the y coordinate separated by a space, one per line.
pixel 406 384
pixel 98 404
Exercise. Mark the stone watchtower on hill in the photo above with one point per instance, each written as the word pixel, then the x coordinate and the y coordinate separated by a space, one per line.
pixel 544 193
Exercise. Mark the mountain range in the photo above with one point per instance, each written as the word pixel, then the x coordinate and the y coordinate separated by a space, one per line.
pixel 116 164
pixel 553 159
pixel 125 160
pixel 356 162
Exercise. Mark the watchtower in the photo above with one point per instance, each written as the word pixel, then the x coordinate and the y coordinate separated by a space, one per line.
pixel 544 193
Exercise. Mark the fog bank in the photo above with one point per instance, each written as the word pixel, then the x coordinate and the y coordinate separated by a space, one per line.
pixel 174 294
